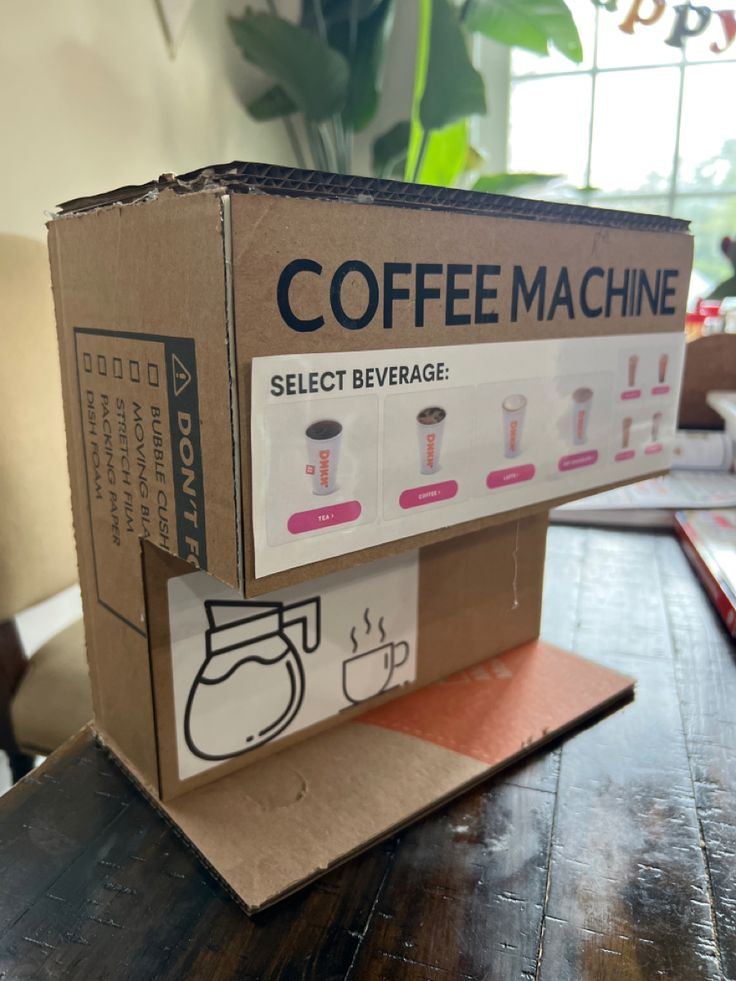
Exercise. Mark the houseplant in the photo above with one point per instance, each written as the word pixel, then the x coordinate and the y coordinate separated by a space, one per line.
pixel 327 74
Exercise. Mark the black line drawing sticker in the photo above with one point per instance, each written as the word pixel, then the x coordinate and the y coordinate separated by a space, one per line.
pixel 370 673
pixel 248 649
pixel 248 672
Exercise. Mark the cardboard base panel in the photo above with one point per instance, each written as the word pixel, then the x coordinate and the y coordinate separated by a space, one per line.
pixel 277 825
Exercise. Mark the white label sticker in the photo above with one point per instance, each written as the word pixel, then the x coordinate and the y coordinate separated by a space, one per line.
pixel 355 450
pixel 247 672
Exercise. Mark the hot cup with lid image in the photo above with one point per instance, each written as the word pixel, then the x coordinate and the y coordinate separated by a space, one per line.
pixel 430 427
pixel 323 454
pixel 626 424
pixel 582 400
pixel 514 410
pixel 632 365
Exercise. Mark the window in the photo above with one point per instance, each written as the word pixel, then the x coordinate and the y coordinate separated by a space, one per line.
pixel 639 125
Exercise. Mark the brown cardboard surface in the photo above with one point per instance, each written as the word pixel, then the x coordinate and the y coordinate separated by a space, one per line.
pixel 158 270
pixel 478 596
pixel 710 365
pixel 151 299
pixel 270 829
pixel 269 231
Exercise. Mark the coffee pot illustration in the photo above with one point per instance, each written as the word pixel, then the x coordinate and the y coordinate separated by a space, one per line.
pixel 250 686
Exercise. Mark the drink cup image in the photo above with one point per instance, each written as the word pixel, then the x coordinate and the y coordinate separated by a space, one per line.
pixel 582 399
pixel 323 454
pixel 656 424
pixel 662 372
pixel 514 410
pixel 633 365
pixel 626 432
pixel 430 427
pixel 367 675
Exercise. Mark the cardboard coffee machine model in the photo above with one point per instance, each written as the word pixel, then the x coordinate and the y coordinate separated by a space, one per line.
pixel 315 425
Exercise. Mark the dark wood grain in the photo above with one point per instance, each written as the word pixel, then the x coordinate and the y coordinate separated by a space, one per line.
pixel 705 673
pixel 610 855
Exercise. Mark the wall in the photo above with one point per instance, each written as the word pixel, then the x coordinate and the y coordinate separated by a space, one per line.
pixel 90 99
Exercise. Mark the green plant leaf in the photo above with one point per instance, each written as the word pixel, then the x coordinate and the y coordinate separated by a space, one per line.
pixel 273 104
pixel 453 89
pixel 421 63
pixel 445 156
pixel 530 24
pixel 505 183
pixel 390 149
pixel 313 75
pixel 366 63
pixel 475 159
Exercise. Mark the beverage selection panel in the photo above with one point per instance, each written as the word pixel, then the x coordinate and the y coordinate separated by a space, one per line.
pixel 352 450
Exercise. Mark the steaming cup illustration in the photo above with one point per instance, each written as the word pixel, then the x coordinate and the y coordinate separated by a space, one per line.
pixel 626 432
pixel 367 675
pixel 656 425
pixel 662 368
pixel 633 365
pixel 323 454
pixel 430 427
pixel 514 410
pixel 250 685
pixel 582 399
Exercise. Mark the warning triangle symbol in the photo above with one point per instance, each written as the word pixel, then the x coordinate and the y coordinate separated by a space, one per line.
pixel 180 375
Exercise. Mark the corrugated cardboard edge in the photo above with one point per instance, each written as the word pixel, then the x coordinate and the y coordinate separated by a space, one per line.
pixel 624 694
pixel 247 177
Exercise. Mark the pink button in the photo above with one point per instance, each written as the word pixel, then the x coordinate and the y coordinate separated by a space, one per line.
pixel 429 494
pixel 511 475
pixel 660 389
pixel 624 455
pixel 632 393
pixel 577 460
pixel 336 514
pixel 654 448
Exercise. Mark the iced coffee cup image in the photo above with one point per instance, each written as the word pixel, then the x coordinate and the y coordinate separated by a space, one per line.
pixel 323 454
pixel 633 364
pixel 513 408
pixel 582 399
pixel 662 368
pixel 656 426
pixel 430 427
pixel 626 432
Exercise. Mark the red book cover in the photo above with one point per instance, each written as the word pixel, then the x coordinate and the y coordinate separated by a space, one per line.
pixel 709 541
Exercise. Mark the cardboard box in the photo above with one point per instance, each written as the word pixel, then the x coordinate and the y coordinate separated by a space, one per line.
pixel 335 412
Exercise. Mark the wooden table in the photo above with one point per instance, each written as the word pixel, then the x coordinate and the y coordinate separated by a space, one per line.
pixel 613 855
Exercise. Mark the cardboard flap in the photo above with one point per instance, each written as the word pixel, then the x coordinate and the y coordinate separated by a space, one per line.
pixel 235 680
pixel 268 830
